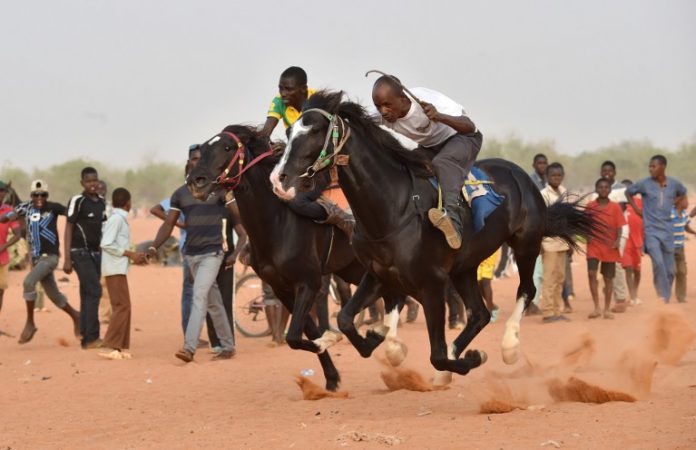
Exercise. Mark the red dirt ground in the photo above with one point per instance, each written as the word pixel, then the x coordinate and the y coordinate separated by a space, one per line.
pixel 55 395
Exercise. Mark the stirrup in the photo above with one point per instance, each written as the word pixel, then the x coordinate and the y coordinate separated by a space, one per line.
pixel 441 221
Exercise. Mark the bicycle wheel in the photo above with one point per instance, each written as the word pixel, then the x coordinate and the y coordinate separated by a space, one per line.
pixel 249 313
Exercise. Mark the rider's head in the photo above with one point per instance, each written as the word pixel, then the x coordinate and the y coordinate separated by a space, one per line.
pixel 293 87
pixel 389 98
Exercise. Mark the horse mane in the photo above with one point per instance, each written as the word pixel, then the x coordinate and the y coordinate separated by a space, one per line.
pixel 255 143
pixel 418 160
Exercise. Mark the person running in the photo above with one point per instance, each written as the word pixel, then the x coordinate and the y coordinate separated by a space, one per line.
pixel 439 124
pixel 604 249
pixel 659 193
pixel 204 253
pixel 5 228
pixel 41 218
pixel 115 244
pixel 83 230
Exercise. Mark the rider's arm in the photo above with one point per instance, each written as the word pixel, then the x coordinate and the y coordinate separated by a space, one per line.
pixel 462 124
pixel 268 127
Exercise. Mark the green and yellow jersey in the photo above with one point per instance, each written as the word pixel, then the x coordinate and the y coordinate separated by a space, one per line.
pixel 288 114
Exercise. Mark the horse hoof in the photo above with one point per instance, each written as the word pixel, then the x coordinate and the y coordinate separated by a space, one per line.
pixel 483 355
pixel 328 339
pixel 381 329
pixel 442 378
pixel 511 354
pixel 396 351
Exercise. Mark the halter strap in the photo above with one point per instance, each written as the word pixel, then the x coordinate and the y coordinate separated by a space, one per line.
pixel 232 182
pixel 332 135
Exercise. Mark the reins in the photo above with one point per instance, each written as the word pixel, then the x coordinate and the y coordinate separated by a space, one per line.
pixel 238 158
pixel 332 135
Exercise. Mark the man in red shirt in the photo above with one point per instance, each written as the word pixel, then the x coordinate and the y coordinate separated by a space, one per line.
pixel 606 248
pixel 4 243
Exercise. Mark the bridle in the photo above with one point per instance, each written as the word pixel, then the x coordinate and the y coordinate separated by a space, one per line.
pixel 224 180
pixel 332 135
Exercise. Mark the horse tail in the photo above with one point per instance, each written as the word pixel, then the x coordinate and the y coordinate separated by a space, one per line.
pixel 569 221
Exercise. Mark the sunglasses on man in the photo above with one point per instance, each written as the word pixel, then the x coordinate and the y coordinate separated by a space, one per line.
pixel 39 194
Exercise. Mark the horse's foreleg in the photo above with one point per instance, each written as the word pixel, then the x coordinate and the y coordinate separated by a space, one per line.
pixel 468 288
pixel 525 293
pixel 304 298
pixel 330 372
pixel 396 350
pixel 369 290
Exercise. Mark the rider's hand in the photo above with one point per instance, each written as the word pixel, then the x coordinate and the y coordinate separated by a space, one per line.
pixel 430 111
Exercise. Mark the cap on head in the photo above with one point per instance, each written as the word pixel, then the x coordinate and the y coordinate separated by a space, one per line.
pixel 39 186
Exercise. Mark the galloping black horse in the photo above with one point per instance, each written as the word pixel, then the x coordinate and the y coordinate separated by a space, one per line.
pixel 387 189
pixel 289 252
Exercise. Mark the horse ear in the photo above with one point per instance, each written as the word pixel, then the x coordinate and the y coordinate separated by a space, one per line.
pixel 336 102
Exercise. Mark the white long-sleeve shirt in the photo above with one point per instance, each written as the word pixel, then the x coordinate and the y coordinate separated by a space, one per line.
pixel 115 241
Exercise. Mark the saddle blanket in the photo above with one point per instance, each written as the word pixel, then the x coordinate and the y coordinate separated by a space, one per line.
pixel 479 194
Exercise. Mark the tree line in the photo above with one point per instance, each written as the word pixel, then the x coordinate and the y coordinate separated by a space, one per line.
pixel 151 181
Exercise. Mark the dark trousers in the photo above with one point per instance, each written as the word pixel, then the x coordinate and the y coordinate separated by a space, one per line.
pixel 87 264
pixel 453 162
pixel 225 281
pixel 118 334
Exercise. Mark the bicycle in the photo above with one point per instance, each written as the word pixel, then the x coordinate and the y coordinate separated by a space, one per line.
pixel 249 310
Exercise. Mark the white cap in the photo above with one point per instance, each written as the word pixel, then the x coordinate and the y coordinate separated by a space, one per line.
pixel 39 186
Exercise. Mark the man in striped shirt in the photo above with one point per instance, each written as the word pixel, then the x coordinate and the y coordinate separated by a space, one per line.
pixel 680 226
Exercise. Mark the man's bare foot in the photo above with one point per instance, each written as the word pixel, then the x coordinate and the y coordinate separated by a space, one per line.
pixel 27 333
pixel 594 314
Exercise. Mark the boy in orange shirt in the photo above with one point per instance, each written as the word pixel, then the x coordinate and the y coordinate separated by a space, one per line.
pixel 605 249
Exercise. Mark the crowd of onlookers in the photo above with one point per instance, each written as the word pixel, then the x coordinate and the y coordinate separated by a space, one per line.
pixel 646 217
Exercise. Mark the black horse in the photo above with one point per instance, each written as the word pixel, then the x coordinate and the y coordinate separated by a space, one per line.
pixel 289 252
pixel 387 189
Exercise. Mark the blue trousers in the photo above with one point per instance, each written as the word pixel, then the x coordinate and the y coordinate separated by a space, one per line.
pixel 661 251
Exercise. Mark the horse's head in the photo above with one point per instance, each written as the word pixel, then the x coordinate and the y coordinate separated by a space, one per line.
pixel 223 160
pixel 313 139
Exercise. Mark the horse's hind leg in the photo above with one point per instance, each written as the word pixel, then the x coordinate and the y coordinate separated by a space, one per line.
pixel 369 290
pixel 526 252
pixel 396 350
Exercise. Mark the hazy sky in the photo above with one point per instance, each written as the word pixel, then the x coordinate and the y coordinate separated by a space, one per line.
pixel 123 81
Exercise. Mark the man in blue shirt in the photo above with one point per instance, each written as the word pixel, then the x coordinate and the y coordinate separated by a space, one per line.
pixel 659 193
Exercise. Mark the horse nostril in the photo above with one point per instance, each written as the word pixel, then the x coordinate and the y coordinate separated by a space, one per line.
pixel 283 177
pixel 201 181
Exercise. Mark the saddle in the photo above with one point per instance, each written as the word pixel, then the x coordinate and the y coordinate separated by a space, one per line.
pixel 478 193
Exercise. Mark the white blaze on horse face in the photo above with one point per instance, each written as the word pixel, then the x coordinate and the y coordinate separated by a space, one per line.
pixel 298 129
pixel 213 140
pixel 511 339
